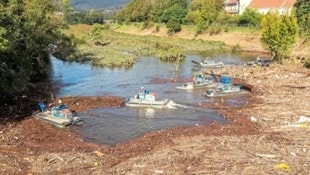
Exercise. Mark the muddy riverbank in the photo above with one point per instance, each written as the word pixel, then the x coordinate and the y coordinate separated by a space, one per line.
pixel 263 136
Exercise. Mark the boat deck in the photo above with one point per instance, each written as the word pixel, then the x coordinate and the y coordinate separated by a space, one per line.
pixel 60 122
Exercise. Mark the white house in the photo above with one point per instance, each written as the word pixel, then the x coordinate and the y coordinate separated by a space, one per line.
pixel 236 6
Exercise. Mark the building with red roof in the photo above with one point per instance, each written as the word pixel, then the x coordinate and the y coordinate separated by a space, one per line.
pixel 262 6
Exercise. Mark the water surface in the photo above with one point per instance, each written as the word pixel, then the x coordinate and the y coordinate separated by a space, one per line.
pixel 115 125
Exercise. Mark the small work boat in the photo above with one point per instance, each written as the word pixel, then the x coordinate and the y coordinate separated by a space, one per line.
pixel 260 62
pixel 59 116
pixel 209 63
pixel 199 81
pixel 146 99
pixel 224 88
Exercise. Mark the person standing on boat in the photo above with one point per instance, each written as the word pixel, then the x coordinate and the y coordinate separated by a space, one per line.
pixel 145 91
pixel 42 107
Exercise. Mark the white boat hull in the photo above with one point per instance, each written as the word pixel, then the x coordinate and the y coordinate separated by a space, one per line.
pixel 60 122
pixel 133 102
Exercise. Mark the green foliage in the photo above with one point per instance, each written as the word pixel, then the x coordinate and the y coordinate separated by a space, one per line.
pixel 207 10
pixel 91 17
pixel 303 17
pixel 94 16
pixel 135 11
pixel 173 25
pixel 147 24
pixel 279 33
pixel 226 19
pixel 96 33
pixel 162 8
pixel 250 17
pixel 236 48
pixel 3 40
pixel 176 11
pixel 125 48
pixel 226 29
pixel 163 11
pixel 194 17
pixel 27 28
pixel 65 8
pixel 201 27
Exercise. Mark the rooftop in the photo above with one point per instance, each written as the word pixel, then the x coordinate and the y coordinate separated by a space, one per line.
pixel 272 3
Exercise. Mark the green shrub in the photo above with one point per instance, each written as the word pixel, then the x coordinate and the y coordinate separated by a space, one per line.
pixel 201 27
pixel 226 29
pixel 173 25
pixel 236 48
pixel 147 24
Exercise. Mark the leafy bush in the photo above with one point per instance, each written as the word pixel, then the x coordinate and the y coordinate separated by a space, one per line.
pixel 147 24
pixel 201 27
pixel 214 30
pixel 174 25
pixel 250 17
pixel 226 29
pixel 236 48
pixel 279 34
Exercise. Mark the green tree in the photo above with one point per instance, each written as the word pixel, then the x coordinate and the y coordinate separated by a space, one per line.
pixel 303 17
pixel 76 17
pixel 206 10
pixel 161 9
pixel 279 33
pixel 27 29
pixel 94 16
pixel 65 8
pixel 250 17
pixel 175 11
pixel 135 11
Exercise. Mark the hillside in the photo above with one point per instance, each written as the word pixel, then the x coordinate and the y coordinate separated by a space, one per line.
pixel 97 4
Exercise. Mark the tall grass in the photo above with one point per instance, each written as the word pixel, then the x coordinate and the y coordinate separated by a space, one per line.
pixel 121 49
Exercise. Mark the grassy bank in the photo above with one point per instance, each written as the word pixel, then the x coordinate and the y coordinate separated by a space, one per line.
pixel 247 38
pixel 120 49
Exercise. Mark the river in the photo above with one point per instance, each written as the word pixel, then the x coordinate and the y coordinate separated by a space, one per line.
pixel 114 125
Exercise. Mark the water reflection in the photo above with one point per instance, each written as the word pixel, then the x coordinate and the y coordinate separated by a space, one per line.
pixel 112 126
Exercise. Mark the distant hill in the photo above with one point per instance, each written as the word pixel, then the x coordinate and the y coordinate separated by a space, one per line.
pixel 97 4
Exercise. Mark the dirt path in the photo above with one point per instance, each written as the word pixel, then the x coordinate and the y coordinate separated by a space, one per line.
pixel 262 138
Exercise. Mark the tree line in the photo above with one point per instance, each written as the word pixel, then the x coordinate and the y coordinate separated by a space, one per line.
pixel 174 13
pixel 279 31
